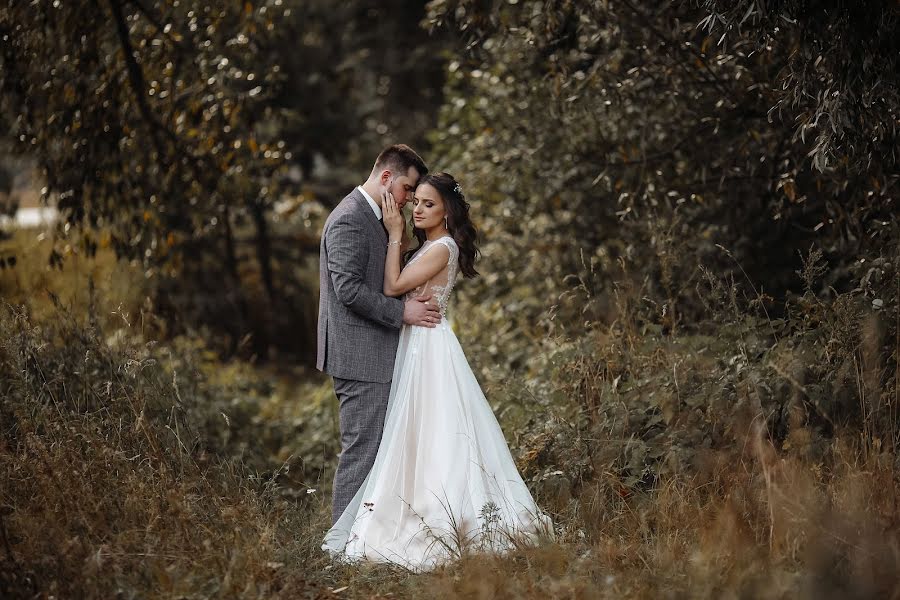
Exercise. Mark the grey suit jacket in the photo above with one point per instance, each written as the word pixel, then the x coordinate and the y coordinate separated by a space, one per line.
pixel 359 327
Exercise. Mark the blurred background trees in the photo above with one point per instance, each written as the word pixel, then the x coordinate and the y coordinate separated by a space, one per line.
pixel 181 134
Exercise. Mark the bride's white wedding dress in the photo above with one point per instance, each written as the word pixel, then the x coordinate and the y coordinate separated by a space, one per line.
pixel 443 480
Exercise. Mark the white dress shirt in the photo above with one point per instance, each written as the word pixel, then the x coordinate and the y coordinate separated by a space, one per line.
pixel 375 207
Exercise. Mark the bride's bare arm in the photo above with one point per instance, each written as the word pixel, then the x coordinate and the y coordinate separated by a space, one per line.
pixel 434 259
pixel 397 283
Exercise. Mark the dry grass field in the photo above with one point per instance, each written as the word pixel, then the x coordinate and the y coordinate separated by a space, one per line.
pixel 136 466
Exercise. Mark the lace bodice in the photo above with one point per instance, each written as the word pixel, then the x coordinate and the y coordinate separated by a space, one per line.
pixel 441 285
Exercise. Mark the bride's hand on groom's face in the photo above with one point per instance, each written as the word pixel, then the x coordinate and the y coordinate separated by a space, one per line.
pixel 393 216
pixel 421 311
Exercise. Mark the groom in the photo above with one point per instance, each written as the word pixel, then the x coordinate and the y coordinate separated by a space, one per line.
pixel 359 327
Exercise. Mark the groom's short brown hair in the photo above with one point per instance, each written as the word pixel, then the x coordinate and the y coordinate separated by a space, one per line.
pixel 400 158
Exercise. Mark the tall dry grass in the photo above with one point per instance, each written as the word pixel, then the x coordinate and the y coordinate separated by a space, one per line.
pixel 109 490
pixel 745 457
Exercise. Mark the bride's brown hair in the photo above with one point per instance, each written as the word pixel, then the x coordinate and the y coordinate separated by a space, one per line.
pixel 459 225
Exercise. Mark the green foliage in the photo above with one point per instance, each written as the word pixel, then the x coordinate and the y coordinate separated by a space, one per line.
pixel 840 85
pixel 148 122
pixel 630 141
pixel 177 133
pixel 143 117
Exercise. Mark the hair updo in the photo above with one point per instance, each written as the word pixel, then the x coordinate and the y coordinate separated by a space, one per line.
pixel 459 225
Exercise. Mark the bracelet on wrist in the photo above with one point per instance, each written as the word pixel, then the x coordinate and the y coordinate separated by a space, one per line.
pixel 392 243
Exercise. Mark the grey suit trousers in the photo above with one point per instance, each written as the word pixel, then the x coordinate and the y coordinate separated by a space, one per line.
pixel 363 405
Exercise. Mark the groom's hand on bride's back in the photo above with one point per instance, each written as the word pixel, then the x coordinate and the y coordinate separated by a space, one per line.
pixel 421 311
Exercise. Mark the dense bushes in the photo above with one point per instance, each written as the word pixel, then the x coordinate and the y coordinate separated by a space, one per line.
pixel 634 142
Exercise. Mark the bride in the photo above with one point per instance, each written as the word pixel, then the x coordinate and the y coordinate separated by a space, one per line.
pixel 443 482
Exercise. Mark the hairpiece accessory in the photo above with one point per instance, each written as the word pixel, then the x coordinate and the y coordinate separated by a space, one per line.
pixel 457 189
